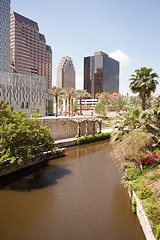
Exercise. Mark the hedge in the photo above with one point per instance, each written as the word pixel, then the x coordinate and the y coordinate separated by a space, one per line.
pixel 93 138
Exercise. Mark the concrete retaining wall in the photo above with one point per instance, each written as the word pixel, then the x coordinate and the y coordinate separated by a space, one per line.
pixel 142 218
pixel 65 127
pixel 14 167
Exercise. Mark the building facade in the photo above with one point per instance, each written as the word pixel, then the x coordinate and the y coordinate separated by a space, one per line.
pixel 29 53
pixel 66 73
pixel 5 35
pixel 24 92
pixel 101 74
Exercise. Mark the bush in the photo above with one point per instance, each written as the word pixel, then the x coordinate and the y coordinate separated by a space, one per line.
pixel 93 138
pixel 20 136
pixel 134 205
pixel 158 232
pixel 36 115
pixel 145 192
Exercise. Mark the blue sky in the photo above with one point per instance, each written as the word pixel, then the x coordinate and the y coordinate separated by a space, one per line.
pixel 127 30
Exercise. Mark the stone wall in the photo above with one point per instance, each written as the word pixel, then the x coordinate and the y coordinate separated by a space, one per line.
pixel 67 127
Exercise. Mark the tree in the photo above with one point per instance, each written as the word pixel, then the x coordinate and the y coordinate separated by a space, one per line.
pixel 81 94
pixel 103 97
pixel 69 94
pixel 100 109
pixel 137 120
pixel 56 92
pixel 117 103
pixel 143 82
pixel 21 136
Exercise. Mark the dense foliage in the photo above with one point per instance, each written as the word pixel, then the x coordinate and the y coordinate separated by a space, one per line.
pixel 100 109
pixel 93 138
pixel 140 175
pixel 20 136
pixel 143 82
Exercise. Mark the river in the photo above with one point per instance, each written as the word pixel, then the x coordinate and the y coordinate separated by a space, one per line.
pixel 76 197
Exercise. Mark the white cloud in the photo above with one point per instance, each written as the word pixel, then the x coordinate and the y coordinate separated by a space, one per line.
pixel 79 82
pixel 121 57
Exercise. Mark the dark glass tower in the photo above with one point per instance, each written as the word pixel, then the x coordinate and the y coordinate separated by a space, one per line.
pixel 101 74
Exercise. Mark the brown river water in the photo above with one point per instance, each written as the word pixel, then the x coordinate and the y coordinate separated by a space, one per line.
pixel 76 197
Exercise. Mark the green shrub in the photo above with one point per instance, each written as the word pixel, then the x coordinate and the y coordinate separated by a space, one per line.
pixel 158 232
pixel 93 138
pixel 131 174
pixel 36 115
pixel 134 205
pixel 21 136
pixel 145 192
pixel 154 214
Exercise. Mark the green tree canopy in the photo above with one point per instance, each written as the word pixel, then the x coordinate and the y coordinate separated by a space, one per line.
pixel 143 82
pixel 56 92
pixel 100 109
pixel 20 136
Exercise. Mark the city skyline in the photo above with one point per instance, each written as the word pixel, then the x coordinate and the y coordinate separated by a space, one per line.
pixel 127 30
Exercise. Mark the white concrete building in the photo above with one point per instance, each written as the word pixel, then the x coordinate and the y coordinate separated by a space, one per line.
pixel 66 73
pixel 5 35
pixel 24 92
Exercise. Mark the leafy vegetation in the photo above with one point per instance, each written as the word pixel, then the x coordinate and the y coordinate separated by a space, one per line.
pixel 134 205
pixel 143 82
pixel 100 109
pixel 93 138
pixel 136 142
pixel 36 115
pixel 20 136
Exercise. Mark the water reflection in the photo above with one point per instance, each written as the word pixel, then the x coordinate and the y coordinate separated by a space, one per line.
pixel 37 177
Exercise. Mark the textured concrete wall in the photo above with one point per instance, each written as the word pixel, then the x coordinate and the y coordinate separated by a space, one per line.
pixel 63 127
pixel 142 218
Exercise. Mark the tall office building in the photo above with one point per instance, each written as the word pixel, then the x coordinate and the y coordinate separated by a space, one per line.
pixel 66 73
pixel 29 52
pixel 23 92
pixel 5 35
pixel 101 74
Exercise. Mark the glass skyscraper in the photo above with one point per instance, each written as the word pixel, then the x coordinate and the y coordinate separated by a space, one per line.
pixel 101 74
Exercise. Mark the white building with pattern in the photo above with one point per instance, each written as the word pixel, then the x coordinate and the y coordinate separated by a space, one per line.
pixel 5 35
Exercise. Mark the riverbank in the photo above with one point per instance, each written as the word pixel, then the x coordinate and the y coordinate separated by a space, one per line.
pixel 144 190
pixel 45 156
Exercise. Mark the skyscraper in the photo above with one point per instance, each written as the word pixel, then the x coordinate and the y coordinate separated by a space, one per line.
pixel 5 35
pixel 29 52
pixel 101 74
pixel 66 73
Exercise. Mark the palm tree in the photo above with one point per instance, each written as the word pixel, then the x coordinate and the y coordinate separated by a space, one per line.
pixel 69 94
pixel 80 95
pixel 117 103
pixel 143 82
pixel 56 92
pixel 137 120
